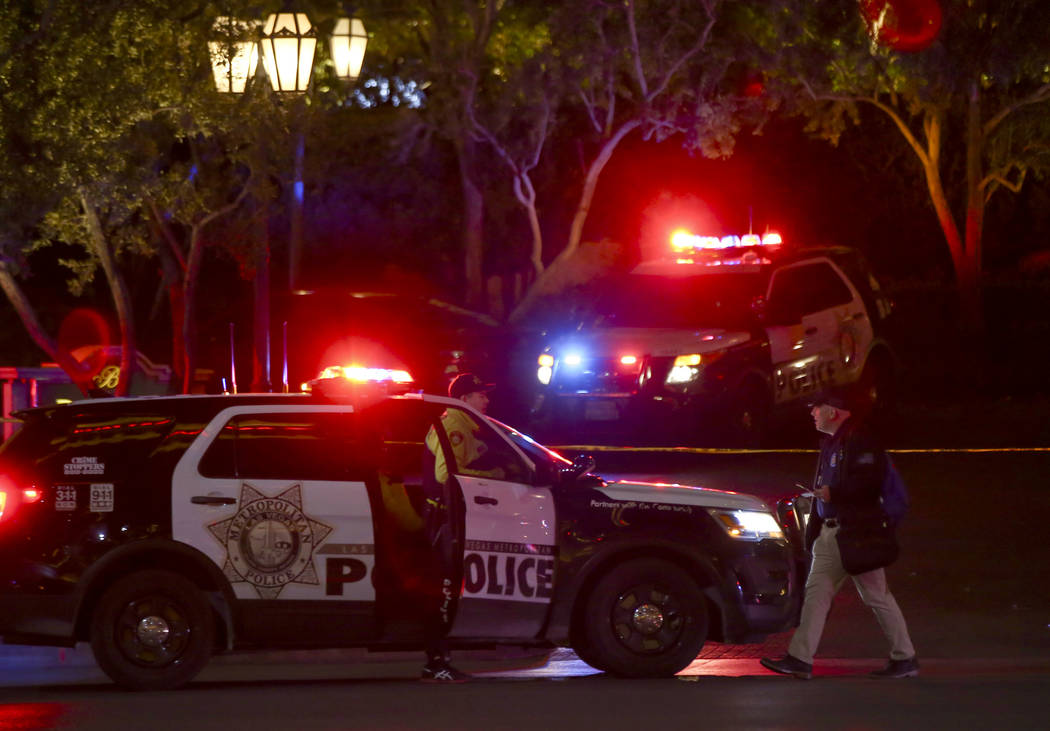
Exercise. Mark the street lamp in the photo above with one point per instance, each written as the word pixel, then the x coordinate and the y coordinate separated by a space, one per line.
pixel 288 43
pixel 233 58
pixel 348 43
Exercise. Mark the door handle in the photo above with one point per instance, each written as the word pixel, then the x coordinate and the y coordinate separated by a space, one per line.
pixel 484 500
pixel 212 500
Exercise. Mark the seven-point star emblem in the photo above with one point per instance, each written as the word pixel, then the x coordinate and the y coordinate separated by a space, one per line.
pixel 270 541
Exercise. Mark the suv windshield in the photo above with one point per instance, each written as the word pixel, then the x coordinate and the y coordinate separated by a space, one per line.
pixel 538 453
pixel 709 300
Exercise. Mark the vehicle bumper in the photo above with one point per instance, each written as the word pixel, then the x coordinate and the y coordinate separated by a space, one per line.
pixel 760 593
pixel 665 409
pixel 36 607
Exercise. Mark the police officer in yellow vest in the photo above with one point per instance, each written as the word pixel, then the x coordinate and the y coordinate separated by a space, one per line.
pixel 469 452
pixel 467 447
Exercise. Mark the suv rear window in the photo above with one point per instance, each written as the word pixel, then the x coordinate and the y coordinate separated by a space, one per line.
pixel 27 446
pixel 118 443
pixel 283 446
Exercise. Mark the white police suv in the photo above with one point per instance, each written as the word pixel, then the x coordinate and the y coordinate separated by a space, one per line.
pixel 164 530
pixel 715 338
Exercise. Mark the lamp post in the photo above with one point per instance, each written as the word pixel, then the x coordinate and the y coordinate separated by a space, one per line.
pixel 288 42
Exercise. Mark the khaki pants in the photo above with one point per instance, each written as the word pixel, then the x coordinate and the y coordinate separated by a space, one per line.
pixel 825 579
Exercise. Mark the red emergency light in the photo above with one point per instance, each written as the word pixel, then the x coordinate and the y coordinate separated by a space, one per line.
pixel 363 374
pixel 683 241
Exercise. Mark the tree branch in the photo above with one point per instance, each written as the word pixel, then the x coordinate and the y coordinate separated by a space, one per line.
pixel 999 177
pixel 1040 95
pixel 902 125
pixel 636 51
pixel 701 41
pixel 166 234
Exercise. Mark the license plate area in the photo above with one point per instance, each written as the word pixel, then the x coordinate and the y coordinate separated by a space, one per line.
pixel 601 410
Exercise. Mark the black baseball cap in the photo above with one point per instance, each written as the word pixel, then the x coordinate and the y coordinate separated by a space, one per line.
pixel 466 383
pixel 831 396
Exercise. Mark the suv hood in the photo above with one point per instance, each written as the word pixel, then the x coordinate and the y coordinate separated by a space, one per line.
pixel 612 341
pixel 664 494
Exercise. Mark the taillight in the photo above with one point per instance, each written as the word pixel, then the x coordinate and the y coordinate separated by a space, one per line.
pixel 11 497
pixel 31 494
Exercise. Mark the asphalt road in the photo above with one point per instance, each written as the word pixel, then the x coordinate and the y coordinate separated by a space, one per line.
pixel 973 582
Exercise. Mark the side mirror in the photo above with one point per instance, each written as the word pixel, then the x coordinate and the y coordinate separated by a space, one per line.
pixel 583 464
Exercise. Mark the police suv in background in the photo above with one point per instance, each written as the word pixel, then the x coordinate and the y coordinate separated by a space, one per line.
pixel 164 530
pixel 717 337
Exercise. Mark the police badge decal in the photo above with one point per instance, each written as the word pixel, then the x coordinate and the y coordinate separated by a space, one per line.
pixel 270 541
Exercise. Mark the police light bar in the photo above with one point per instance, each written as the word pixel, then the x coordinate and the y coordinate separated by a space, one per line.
pixel 358 384
pixel 683 242
pixel 360 374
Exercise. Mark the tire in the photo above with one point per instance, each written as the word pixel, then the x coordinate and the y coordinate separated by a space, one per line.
pixel 584 652
pixel 644 619
pixel 877 389
pixel 152 630
pixel 748 417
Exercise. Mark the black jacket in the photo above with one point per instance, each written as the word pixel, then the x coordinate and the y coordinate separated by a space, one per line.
pixel 853 464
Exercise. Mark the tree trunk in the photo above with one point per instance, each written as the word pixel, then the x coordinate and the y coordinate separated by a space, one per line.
pixel 583 208
pixel 473 225
pixel 261 382
pixel 526 196
pixel 118 290
pixel 27 314
pixel 171 274
pixel 970 288
pixel 173 269
pixel 966 269
pixel 189 294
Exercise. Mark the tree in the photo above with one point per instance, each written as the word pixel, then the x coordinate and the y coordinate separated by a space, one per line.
pixel 971 105
pixel 463 49
pixel 81 86
pixel 655 67
pixel 117 142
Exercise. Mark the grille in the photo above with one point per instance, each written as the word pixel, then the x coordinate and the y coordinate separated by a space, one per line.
pixel 598 376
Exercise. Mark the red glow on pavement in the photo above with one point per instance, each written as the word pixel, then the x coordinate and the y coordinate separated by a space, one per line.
pixel 19 716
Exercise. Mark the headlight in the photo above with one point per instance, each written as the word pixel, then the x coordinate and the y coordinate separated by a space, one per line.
pixel 748 525
pixel 686 368
pixel 543 373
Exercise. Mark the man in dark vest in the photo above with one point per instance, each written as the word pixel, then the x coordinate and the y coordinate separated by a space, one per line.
pixel 848 535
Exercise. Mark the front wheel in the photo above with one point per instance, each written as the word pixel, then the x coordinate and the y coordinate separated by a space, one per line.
pixel 152 630
pixel 877 389
pixel 645 619
pixel 748 417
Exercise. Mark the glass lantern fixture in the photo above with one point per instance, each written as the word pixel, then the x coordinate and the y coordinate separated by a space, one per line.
pixel 288 44
pixel 234 54
pixel 348 42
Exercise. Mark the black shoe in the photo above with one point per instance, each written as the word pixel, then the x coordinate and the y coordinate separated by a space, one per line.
pixel 789 665
pixel 442 672
pixel 899 669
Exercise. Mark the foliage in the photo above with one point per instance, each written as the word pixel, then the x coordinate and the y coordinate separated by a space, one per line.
pixel 971 105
